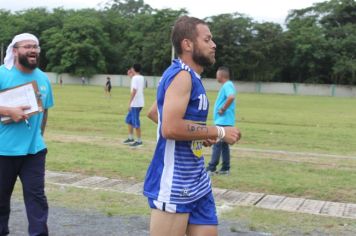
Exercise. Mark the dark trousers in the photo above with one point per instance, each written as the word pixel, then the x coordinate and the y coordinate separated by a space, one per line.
pixel 31 171
pixel 219 148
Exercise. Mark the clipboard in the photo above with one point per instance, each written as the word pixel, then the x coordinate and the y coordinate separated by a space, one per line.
pixel 23 95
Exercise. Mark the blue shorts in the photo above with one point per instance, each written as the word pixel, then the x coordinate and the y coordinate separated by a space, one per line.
pixel 201 212
pixel 133 117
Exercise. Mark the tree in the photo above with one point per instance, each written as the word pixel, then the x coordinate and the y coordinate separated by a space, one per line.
pixel 156 46
pixel 7 31
pixel 325 42
pixel 34 21
pixel 269 51
pixel 318 46
pixel 309 56
pixel 140 34
pixel 231 33
pixel 129 8
pixel 78 46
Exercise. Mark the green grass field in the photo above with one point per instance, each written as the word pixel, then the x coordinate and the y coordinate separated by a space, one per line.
pixel 280 122
pixel 85 130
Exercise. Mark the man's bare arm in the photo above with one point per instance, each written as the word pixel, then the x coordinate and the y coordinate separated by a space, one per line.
pixel 132 95
pixel 153 113
pixel 228 102
pixel 175 104
pixel 174 107
pixel 44 121
pixel 15 113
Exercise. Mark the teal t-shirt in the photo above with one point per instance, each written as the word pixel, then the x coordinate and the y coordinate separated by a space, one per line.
pixel 228 117
pixel 17 139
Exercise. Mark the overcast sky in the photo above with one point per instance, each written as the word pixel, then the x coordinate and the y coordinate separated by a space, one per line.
pixel 259 10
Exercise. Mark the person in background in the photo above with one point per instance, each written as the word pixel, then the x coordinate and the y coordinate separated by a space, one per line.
pixel 22 147
pixel 224 116
pixel 177 186
pixel 130 72
pixel 60 80
pixel 136 103
pixel 108 87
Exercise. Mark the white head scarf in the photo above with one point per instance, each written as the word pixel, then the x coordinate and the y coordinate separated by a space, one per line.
pixel 9 58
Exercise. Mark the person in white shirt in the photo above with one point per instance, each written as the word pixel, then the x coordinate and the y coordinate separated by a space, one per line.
pixel 136 104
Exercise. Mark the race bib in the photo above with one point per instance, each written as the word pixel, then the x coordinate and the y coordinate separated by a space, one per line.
pixel 197 148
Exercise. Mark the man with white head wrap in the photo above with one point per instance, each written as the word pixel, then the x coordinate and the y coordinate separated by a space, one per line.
pixel 22 148
pixel 10 55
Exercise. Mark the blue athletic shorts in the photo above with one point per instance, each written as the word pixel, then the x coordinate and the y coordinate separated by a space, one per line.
pixel 133 117
pixel 201 212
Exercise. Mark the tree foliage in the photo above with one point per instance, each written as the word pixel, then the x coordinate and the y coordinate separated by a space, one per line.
pixel 318 44
pixel 324 38
pixel 77 46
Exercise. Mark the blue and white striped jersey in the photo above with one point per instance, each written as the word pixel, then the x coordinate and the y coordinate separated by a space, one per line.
pixel 177 174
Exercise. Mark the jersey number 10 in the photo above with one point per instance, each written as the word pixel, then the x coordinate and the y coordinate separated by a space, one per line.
pixel 203 102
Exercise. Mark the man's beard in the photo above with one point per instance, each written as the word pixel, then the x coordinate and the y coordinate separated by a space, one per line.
pixel 201 59
pixel 23 60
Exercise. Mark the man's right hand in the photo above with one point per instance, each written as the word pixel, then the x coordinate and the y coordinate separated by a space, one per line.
pixel 18 113
pixel 232 135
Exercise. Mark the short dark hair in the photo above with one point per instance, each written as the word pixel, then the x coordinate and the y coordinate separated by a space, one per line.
pixel 225 71
pixel 137 67
pixel 184 28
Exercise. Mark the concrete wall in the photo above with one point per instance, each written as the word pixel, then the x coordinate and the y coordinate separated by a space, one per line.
pixel 211 84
